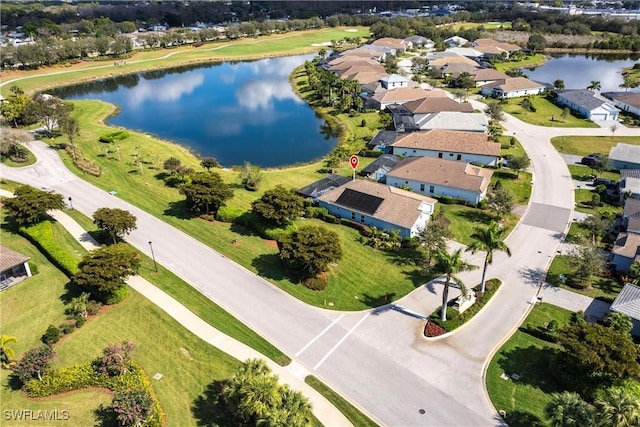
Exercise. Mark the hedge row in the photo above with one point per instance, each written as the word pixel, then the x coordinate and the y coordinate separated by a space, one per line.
pixel 84 164
pixel 114 136
pixel 70 378
pixel 41 235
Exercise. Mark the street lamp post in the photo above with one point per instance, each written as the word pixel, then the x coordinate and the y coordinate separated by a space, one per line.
pixel 155 265
pixel 70 203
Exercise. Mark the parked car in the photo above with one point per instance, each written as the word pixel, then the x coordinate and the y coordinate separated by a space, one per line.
pixel 603 181
pixel 590 160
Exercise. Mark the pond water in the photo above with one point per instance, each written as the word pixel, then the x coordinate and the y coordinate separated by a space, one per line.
pixel 235 112
pixel 578 71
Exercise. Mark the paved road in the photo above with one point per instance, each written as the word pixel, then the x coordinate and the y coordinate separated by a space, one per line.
pixel 377 359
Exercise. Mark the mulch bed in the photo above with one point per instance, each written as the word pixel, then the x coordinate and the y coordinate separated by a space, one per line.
pixel 432 329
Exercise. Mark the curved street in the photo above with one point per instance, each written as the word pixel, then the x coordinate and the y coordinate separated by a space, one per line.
pixel 377 359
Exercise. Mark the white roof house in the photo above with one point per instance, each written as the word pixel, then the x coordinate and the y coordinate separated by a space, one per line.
pixel 628 303
pixel 625 156
pixel 455 41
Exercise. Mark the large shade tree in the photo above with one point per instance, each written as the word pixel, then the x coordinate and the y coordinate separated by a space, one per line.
pixel 310 249
pixel 103 271
pixel 489 240
pixel 206 193
pixel 279 205
pixel 451 264
pixel 30 205
pixel 114 221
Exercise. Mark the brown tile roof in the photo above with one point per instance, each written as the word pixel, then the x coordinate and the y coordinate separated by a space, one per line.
pixel 449 140
pixel 364 77
pixel 437 104
pixel 488 74
pixel 632 99
pixel 359 67
pixel 449 173
pixel 360 52
pixel 485 42
pixel 627 245
pixel 495 50
pixel 342 64
pixel 391 43
pixel 509 47
pixel 399 207
pixel 10 259
pixel 514 83
pixel 441 62
pixel 459 68
pixel 400 94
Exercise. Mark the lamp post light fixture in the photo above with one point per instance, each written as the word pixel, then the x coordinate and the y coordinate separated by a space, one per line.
pixel 70 203
pixel 155 265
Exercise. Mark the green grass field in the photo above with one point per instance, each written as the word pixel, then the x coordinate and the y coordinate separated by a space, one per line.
pixel 545 110
pixel 584 145
pixel 524 399
pixel 531 60
pixel 603 287
pixel 586 174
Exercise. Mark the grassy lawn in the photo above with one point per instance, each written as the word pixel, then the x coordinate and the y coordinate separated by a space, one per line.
pixel 585 173
pixel 583 204
pixel 486 25
pixel 31 159
pixel 463 220
pixel 524 399
pixel 604 288
pixel 526 62
pixel 584 145
pixel 545 110
pixel 293 43
pixel 509 149
pixel 356 417
pixel 519 183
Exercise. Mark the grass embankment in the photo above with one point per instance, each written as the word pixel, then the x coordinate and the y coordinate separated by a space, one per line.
pixel 181 363
pixel 584 145
pixel 482 25
pixel 545 110
pixel 31 159
pixel 293 43
pixel 524 399
pixel 352 413
pixel 527 61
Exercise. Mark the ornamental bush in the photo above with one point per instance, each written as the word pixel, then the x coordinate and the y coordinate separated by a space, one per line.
pixel 41 235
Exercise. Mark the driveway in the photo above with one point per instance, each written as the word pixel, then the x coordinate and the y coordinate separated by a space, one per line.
pixel 377 359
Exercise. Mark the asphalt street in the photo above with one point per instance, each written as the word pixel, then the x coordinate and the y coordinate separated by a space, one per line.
pixel 377 359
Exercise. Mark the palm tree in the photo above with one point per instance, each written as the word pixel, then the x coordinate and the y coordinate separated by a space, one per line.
pixel 594 86
pixel 450 265
pixel 488 239
pixel 568 409
pixel 7 355
pixel 618 408
pixel 628 83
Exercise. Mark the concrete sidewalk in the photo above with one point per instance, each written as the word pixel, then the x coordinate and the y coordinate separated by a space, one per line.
pixel 293 374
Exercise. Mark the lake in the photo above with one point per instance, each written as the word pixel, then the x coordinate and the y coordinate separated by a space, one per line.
pixel 578 71
pixel 235 112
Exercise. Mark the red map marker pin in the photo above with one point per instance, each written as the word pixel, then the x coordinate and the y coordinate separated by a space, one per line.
pixel 353 161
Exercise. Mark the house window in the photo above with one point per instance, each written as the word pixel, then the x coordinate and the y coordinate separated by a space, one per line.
pixel 459 157
pixel 450 154
pixel 361 218
pixel 439 155
pixel 422 187
pixel 414 151
pixel 353 216
pixel 431 189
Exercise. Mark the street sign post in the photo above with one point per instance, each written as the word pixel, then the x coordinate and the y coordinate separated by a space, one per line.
pixel 353 161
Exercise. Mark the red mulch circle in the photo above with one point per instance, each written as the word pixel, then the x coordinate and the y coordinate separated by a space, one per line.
pixel 432 329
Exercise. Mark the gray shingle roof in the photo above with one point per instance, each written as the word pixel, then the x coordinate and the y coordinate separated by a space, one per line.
pixel 625 153
pixel 387 161
pixel 628 301
pixel 583 97
pixel 323 185
pixel 382 138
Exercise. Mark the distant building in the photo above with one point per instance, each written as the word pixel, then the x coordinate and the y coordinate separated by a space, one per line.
pixel 588 104
pixel 512 87
pixel 455 41
pixel 627 102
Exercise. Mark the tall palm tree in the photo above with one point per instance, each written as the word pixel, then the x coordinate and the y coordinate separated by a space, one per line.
pixel 594 86
pixel 451 264
pixel 618 408
pixel 567 409
pixel 7 355
pixel 489 240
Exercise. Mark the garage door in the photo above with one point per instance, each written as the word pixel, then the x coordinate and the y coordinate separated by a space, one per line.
pixel 598 117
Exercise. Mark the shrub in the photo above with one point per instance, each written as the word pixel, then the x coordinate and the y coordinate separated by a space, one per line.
pixel 114 136
pixel 67 328
pixel 51 336
pixel 93 307
pixel 117 296
pixel 362 228
pixel 82 163
pixel 331 219
pixel 228 214
pixel 318 283
pixel 80 322
pixel 370 153
pixel 41 235
pixel 315 212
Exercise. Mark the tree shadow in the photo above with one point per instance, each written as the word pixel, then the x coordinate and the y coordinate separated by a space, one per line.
pixel 505 174
pixel 71 291
pixel 532 366
pixel 242 230
pixel 523 419
pixel 536 276
pixel 418 276
pixel 14 383
pixel 208 408
pixel 476 216
pixel 269 266
pixel 374 301
pixel 105 416
pixel 178 209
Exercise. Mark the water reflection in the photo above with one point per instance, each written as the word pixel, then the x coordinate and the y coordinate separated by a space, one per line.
pixel 236 112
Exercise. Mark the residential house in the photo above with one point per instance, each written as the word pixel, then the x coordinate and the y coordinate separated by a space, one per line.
pixel 455 41
pixel 588 104
pixel 467 52
pixel 14 267
pixel 625 156
pixel 629 184
pixel 492 48
pixel 440 177
pixel 626 250
pixel 631 216
pixel 322 186
pixel 441 61
pixel 382 141
pixel 467 147
pixel 485 76
pixel 628 303
pixel 512 87
pixel 435 105
pixel 455 69
pixel 627 102
pixel 394 81
pixel 379 168
pixel 400 96
pixel 420 42
pixel 399 45
pixel 378 205
pixel 451 120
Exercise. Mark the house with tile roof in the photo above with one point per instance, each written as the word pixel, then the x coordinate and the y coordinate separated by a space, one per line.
pixel 399 45
pixel 485 76
pixel 631 216
pixel 628 303
pixel 626 249
pixel 381 206
pixel 628 102
pixel 420 42
pixel 14 267
pixel 440 177
pixel 393 81
pixel 379 168
pixel 588 104
pixel 436 105
pixel 512 87
pixel 400 96
pixel 625 156
pixel 452 120
pixel 442 61
pixel 456 41
pixel 491 48
pixel 461 146
pixel 322 186
pixel 467 52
